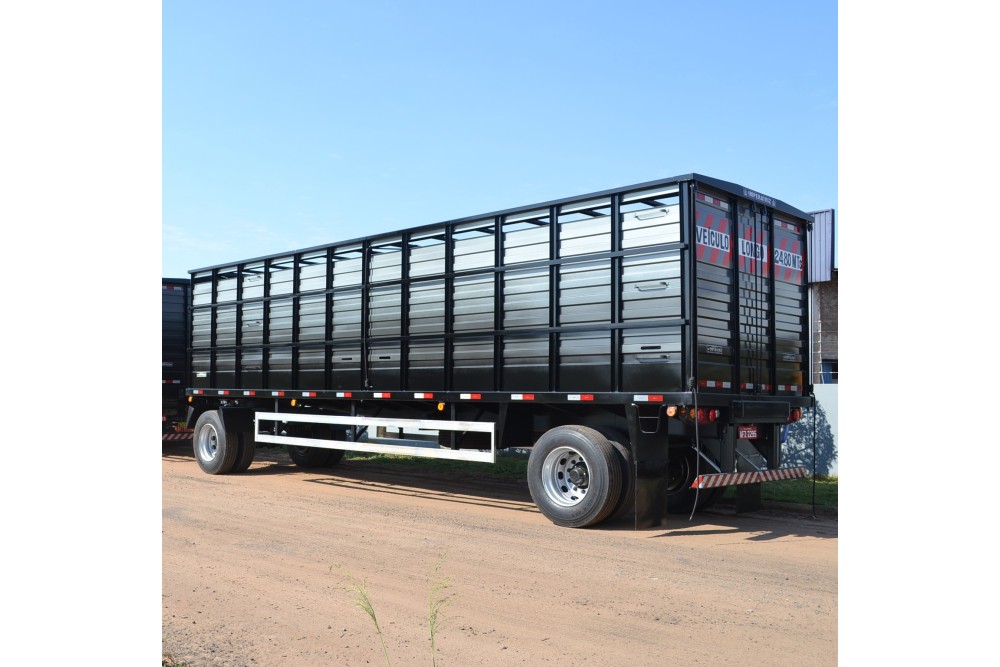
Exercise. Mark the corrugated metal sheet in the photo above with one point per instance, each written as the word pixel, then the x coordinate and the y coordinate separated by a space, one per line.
pixel 819 242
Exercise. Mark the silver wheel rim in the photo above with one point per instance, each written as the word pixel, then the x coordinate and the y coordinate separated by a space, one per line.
pixel 565 477
pixel 208 442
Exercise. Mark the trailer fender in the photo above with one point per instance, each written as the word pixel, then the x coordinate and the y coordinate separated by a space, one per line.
pixel 234 419
pixel 237 419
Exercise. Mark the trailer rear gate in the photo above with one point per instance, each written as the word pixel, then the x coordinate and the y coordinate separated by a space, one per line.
pixel 675 292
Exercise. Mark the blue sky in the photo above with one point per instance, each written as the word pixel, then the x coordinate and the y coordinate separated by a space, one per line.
pixel 289 125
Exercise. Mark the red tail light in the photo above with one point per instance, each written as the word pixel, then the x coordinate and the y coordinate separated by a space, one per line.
pixel 795 415
pixel 706 416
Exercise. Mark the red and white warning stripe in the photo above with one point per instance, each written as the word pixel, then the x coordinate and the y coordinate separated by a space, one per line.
pixel 177 436
pixel 787 225
pixel 714 384
pixel 789 387
pixel 700 196
pixel 751 385
pixel 736 478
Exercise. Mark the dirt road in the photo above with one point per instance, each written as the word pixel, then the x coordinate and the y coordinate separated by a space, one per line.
pixel 256 571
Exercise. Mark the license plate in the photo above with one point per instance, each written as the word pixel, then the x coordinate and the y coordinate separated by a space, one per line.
pixel 747 432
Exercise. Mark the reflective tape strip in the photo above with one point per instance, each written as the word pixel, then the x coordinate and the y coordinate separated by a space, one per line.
pixel 177 436
pixel 788 387
pixel 277 393
pixel 647 398
pixel 470 397
pixel 198 392
pixel 171 382
pixel 309 394
pixel 715 384
pixel 424 396
pixel 343 394
pixel 580 397
pixel 381 394
pixel 737 478
pixel 250 392
pixel 712 200
pixel 751 385
pixel 223 392
pixel 522 397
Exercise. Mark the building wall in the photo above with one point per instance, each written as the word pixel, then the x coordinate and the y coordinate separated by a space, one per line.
pixel 825 330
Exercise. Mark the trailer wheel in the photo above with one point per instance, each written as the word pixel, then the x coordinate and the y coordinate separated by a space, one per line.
pixel 574 476
pixel 315 457
pixel 308 457
pixel 681 475
pixel 214 448
pixel 626 501
pixel 246 451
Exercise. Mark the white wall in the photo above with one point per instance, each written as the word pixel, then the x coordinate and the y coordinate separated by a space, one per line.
pixel 798 449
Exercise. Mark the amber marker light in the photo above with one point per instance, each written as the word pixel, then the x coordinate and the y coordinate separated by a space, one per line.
pixel 671 410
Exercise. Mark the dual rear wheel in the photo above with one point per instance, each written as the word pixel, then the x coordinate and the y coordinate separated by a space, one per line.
pixel 219 451
pixel 578 477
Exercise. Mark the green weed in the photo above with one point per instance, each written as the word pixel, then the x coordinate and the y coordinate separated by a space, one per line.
pixel 437 599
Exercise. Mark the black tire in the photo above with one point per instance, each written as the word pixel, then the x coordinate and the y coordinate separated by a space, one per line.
pixel 574 476
pixel 682 472
pixel 680 475
pixel 247 449
pixel 309 457
pixel 315 457
pixel 626 501
pixel 708 497
pixel 214 448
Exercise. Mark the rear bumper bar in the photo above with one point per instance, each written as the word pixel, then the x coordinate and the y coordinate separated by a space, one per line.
pixel 735 478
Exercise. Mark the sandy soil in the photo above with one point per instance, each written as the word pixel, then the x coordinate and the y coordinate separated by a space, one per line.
pixel 256 571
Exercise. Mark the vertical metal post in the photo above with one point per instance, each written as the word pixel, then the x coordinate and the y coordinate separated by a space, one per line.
pixel 214 320
pixel 238 356
pixel 404 313
pixel 328 321
pixel 498 311
pixel 553 384
pixel 617 262
pixel 689 336
pixel 449 307
pixel 365 295
pixel 265 326
pixel 296 297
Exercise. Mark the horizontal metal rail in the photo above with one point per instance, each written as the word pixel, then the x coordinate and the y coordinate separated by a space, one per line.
pixel 380 448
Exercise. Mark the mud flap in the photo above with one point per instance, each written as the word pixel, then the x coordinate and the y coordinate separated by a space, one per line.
pixel 650 452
